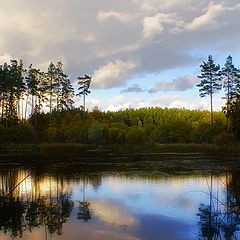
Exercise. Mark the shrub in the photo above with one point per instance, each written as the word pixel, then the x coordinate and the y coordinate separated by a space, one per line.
pixel 135 135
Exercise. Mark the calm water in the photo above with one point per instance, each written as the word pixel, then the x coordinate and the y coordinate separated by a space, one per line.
pixel 74 203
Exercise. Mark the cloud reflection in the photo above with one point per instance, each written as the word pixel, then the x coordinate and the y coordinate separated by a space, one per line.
pixel 113 213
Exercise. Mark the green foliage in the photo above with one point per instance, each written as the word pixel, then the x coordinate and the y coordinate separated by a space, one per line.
pixel 117 135
pixel 172 132
pixel 135 135
pixel 24 91
pixel 21 133
pixel 98 133
pixel 84 84
pixel 225 138
pixel 210 81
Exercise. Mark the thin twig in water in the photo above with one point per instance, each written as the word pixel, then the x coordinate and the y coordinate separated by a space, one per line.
pixel 17 185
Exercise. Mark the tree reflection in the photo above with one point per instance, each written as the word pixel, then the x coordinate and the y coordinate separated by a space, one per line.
pixel 83 209
pixel 29 200
pixel 44 204
pixel 11 212
pixel 220 219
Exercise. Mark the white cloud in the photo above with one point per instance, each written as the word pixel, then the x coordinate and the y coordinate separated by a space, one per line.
pixel 155 25
pixel 112 74
pixel 171 100
pixel 151 26
pixel 116 41
pixel 120 102
pixel 207 19
pixel 104 16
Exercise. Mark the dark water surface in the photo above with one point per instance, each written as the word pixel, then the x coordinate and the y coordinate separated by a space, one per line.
pixel 153 198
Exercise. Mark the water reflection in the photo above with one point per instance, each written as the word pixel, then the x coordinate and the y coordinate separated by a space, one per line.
pixel 83 209
pixel 220 218
pixel 36 205
pixel 28 201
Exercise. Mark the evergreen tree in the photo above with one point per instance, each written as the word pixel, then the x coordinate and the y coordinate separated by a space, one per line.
pixel 84 84
pixel 230 76
pixel 64 89
pixel 32 82
pixel 51 85
pixel 210 78
pixel 67 94
pixel 58 82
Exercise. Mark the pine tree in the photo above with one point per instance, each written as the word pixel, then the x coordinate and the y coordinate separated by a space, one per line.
pixel 229 75
pixel 84 84
pixel 67 94
pixel 210 81
pixel 32 82
pixel 51 85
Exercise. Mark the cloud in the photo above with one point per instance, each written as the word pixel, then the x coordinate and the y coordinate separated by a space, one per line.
pixel 155 25
pixel 171 101
pixel 118 41
pixel 208 19
pixel 178 84
pixel 120 102
pixel 88 38
pixel 112 74
pixel 84 35
pixel 151 26
pixel 104 16
pixel 133 88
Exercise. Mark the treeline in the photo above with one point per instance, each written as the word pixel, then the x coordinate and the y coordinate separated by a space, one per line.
pixel 140 126
pixel 25 92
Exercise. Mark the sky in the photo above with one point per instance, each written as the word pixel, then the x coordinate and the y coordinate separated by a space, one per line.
pixel 140 53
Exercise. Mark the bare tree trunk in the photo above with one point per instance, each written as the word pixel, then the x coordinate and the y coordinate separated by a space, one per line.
pixel 50 103
pixel 26 108
pixel 3 103
pixel 18 109
pixel 84 102
pixel 1 110
pixel 22 111
pixel 211 109
pixel 32 112
pixel 228 102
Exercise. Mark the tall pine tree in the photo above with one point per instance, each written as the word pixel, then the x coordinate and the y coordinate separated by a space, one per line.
pixel 210 81
pixel 84 84
pixel 229 75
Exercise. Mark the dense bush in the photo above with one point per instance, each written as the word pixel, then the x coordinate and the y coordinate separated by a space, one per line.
pixel 21 133
pixel 135 135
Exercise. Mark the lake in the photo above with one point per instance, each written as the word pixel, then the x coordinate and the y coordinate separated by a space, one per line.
pixel 168 196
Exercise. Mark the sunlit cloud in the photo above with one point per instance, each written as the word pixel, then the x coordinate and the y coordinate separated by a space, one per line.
pixel 208 19
pixel 116 42
pixel 112 74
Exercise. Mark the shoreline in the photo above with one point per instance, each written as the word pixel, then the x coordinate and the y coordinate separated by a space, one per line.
pixel 176 159
pixel 84 149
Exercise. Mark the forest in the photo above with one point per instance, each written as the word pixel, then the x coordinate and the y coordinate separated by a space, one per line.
pixel 37 107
